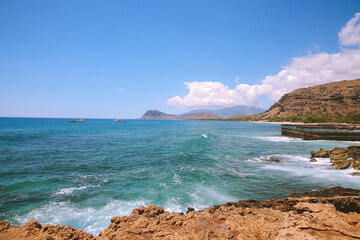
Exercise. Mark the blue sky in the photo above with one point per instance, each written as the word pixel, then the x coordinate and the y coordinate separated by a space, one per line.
pixel 110 59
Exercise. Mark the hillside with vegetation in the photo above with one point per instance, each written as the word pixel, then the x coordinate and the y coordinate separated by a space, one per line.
pixel 331 102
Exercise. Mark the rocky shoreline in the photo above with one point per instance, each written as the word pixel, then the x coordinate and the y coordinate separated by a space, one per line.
pixel 328 214
pixel 341 158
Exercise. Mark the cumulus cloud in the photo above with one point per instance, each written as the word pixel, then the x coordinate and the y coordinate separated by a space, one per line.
pixel 350 34
pixel 309 70
pixel 313 70
pixel 216 94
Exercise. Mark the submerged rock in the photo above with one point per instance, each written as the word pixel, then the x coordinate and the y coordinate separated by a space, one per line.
pixel 271 159
pixel 356 174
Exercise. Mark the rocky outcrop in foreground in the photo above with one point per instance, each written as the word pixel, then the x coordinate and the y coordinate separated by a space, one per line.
pixel 329 214
pixel 341 158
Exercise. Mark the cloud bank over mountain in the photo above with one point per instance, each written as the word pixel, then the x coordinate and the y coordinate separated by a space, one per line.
pixel 309 70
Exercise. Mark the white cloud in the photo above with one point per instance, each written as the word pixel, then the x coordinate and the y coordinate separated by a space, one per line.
pixel 350 34
pixel 216 94
pixel 304 71
pixel 313 70
pixel 120 89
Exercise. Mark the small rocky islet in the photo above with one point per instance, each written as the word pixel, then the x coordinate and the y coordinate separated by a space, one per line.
pixel 341 158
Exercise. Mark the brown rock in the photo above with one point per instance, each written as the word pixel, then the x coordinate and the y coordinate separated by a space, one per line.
pixel 340 164
pixel 271 159
pixel 339 154
pixel 320 154
pixel 356 165
pixel 328 214
pixel 313 160
pixel 341 158
pixel 356 174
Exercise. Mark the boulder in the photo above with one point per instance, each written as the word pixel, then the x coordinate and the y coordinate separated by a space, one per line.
pixel 341 158
pixel 339 154
pixel 342 164
pixel 320 154
pixel 356 165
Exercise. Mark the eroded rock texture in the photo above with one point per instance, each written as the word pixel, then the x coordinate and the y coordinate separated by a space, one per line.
pixel 329 214
pixel 341 158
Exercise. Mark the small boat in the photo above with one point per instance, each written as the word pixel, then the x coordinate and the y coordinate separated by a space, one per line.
pixel 71 121
pixel 119 120
pixel 81 120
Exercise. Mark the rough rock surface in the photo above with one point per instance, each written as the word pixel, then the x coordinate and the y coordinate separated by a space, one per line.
pixel 329 214
pixel 341 158
pixel 328 99
pixel 33 230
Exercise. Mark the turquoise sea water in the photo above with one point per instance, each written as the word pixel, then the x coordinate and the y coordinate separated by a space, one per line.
pixel 82 174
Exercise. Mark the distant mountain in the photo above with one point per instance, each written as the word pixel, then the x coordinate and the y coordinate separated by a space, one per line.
pixel 331 99
pixel 155 114
pixel 226 112
pixel 199 115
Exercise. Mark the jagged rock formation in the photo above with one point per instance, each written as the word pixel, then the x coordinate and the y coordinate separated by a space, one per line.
pixel 328 99
pixel 33 230
pixel 155 114
pixel 329 214
pixel 341 158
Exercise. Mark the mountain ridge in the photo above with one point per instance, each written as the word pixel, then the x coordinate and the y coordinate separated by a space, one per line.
pixel 156 114
pixel 204 113
pixel 331 99
pixel 229 111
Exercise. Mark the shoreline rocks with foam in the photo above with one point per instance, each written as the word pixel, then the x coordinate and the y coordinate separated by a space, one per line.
pixel 341 158
pixel 328 214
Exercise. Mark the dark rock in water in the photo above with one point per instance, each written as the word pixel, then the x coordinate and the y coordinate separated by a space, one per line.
pixel 356 174
pixel 271 159
pixel 330 192
pixel 337 154
pixel 356 165
pixel 342 164
pixel 321 154
pixel 313 160
pixel 190 210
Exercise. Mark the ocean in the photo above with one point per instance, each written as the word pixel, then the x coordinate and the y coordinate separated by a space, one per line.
pixel 82 174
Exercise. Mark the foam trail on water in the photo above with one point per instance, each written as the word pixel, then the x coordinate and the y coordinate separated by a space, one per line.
pixel 68 191
pixel 322 170
pixel 280 139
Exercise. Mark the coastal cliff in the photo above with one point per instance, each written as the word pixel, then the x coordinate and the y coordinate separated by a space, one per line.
pixel 331 99
pixel 328 214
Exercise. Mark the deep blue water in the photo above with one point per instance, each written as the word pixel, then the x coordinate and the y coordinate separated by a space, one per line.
pixel 82 174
